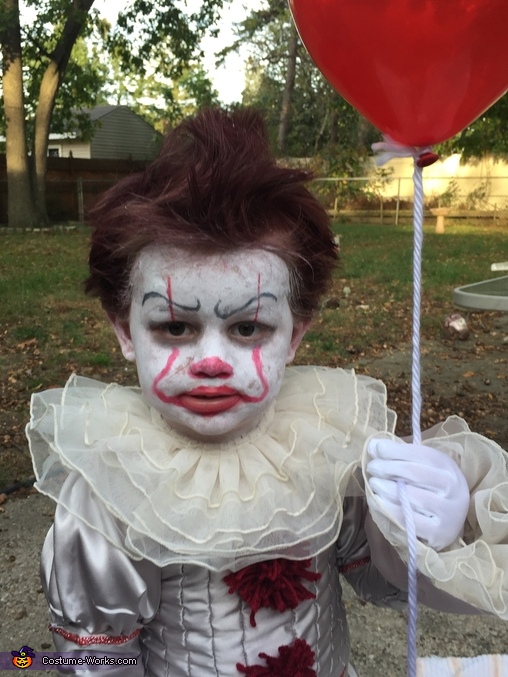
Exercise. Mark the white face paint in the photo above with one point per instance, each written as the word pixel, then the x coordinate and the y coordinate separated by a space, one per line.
pixel 210 335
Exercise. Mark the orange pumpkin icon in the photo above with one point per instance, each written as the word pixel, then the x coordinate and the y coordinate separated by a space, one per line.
pixel 23 658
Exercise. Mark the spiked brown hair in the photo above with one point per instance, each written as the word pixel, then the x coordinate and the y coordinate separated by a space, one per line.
pixel 215 187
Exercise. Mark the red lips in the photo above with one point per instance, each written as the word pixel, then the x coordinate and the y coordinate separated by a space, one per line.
pixel 208 400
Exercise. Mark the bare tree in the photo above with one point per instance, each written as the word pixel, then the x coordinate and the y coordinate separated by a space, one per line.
pixel 21 208
pixel 51 81
pixel 289 86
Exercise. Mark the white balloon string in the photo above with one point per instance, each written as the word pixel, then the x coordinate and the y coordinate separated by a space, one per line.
pixel 387 150
pixel 412 593
pixel 416 385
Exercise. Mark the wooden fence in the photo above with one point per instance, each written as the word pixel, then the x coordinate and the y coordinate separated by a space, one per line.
pixel 73 185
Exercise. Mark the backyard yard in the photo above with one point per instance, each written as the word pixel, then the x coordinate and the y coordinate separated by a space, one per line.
pixel 49 330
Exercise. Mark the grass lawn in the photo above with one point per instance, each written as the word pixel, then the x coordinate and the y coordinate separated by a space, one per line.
pixel 376 266
pixel 49 329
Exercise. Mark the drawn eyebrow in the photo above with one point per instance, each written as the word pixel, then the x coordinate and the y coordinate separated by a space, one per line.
pixel 154 294
pixel 227 313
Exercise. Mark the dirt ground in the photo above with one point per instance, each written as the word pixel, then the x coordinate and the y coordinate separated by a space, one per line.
pixel 467 378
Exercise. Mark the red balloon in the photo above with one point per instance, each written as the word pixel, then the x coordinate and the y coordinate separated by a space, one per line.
pixel 419 70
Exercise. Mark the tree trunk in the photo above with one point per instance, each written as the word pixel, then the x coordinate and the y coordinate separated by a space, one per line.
pixel 50 84
pixel 47 95
pixel 321 131
pixel 289 86
pixel 20 204
pixel 363 131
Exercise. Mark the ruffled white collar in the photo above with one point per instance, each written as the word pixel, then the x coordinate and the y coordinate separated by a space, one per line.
pixel 277 491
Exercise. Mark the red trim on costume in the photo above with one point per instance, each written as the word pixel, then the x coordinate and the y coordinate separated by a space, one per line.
pixel 274 584
pixel 94 639
pixel 355 564
pixel 295 660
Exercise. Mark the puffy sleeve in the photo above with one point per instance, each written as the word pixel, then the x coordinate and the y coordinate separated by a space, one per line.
pixel 474 568
pixel 99 598
pixel 356 563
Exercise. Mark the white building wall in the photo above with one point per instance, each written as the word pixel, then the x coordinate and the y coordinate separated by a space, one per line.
pixel 487 176
pixel 66 148
pixel 78 150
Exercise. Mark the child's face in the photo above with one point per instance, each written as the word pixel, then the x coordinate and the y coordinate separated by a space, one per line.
pixel 210 335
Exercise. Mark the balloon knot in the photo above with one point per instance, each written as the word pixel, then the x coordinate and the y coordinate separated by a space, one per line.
pixel 427 158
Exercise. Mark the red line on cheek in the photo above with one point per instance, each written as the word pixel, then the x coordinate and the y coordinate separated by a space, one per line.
pixel 170 299
pixel 256 358
pixel 155 387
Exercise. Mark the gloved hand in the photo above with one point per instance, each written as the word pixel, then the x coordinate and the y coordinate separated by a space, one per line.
pixel 435 486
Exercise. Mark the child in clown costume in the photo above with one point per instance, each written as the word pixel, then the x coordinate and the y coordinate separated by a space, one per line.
pixel 203 520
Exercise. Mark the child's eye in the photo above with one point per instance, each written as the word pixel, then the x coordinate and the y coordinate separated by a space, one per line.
pixel 247 329
pixel 173 329
pixel 251 331
pixel 177 328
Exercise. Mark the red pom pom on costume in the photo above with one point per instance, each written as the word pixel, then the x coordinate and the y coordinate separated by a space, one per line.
pixel 274 584
pixel 293 661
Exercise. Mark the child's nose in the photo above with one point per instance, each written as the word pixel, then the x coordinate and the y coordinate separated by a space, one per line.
pixel 211 367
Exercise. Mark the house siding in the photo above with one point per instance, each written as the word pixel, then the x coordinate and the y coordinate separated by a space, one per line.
pixel 124 135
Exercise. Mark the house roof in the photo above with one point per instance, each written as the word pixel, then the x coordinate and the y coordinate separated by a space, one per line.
pixel 95 115
pixel 100 111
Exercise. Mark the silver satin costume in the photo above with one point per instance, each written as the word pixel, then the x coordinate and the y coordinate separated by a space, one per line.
pixel 135 562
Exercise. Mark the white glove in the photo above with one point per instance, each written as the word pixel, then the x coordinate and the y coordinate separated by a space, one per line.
pixel 435 486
